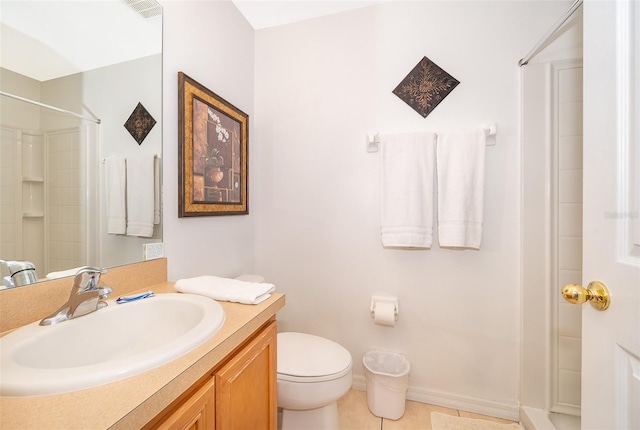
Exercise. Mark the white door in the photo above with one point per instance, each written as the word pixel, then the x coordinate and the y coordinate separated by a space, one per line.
pixel 611 247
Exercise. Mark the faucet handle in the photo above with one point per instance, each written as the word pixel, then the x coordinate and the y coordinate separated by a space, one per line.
pixel 87 278
pixel 104 292
pixel 85 269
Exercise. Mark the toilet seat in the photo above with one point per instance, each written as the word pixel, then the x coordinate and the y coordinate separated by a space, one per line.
pixel 307 358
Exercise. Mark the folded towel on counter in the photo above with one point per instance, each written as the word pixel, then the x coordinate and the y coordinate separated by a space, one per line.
pixel 225 289
pixel 460 161
pixel 115 188
pixel 406 189
pixel 63 273
pixel 140 196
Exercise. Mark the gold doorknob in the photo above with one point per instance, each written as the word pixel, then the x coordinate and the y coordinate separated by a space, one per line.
pixel 596 294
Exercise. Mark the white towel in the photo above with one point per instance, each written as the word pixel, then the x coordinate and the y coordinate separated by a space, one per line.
pixel 63 273
pixel 156 190
pixel 140 196
pixel 460 160
pixel 406 189
pixel 225 289
pixel 115 188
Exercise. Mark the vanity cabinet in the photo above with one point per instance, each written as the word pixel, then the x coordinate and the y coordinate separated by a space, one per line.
pixel 246 386
pixel 197 412
pixel 240 394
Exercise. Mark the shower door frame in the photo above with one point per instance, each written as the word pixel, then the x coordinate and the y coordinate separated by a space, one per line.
pixel 540 294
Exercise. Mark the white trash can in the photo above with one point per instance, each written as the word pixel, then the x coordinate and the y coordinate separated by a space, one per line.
pixel 387 375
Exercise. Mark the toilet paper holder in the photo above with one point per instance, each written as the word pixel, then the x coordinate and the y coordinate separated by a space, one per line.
pixel 380 299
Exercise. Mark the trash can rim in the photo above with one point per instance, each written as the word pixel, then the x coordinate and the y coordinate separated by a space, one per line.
pixel 405 360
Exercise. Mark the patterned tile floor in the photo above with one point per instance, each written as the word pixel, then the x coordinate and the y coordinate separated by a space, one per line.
pixel 355 415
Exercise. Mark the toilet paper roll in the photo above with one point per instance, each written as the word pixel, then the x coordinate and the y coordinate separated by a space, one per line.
pixel 384 314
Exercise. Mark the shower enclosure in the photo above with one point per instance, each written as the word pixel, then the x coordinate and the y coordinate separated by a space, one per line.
pixel 47 189
pixel 552 231
pixel 552 236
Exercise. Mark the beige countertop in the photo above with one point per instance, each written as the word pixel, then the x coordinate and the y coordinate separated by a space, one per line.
pixel 132 402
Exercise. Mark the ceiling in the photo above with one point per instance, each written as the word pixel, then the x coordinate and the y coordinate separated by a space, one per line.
pixel 61 39
pixel 66 37
pixel 269 13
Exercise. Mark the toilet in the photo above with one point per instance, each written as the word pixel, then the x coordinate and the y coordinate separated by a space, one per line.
pixel 313 373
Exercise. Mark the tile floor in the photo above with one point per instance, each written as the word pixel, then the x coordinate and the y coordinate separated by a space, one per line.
pixel 355 415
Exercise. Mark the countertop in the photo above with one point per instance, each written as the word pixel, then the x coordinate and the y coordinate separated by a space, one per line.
pixel 133 402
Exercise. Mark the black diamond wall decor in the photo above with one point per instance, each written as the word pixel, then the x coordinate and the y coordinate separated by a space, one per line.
pixel 425 87
pixel 139 123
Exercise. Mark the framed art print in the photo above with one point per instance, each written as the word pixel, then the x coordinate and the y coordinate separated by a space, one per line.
pixel 213 153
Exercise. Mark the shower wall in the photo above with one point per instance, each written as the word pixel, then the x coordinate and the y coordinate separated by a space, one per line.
pixel 552 234
pixel 30 204
pixel 567 234
pixel 551 115
pixel 67 242
pixel 43 216
pixel 19 133
pixel 22 197
pixel 8 156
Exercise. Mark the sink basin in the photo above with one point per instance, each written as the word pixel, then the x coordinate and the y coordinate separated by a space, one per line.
pixel 113 343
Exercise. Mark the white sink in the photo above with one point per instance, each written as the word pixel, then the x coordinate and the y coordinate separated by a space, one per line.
pixel 110 344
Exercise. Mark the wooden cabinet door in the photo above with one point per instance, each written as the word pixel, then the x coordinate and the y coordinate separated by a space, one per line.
pixel 196 413
pixel 246 386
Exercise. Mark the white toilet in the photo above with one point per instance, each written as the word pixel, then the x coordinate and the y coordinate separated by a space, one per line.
pixel 313 373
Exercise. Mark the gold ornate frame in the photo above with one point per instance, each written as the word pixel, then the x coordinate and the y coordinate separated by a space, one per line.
pixel 212 153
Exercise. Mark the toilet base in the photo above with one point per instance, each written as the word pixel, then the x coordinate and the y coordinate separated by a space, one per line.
pixel 324 418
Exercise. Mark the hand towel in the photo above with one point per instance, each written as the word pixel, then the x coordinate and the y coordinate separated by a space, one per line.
pixel 460 165
pixel 63 273
pixel 406 189
pixel 156 190
pixel 225 289
pixel 115 179
pixel 140 196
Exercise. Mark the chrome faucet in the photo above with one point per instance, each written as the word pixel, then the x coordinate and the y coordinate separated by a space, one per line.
pixel 84 298
pixel 20 273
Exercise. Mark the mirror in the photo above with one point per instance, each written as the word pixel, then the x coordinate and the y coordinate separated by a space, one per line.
pixel 87 66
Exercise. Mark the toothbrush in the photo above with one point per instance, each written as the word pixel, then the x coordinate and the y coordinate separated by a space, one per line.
pixel 127 299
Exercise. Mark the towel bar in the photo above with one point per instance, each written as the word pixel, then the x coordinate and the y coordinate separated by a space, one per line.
pixel 104 159
pixel 373 139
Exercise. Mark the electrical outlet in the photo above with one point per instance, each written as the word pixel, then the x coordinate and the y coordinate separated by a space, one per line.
pixel 153 250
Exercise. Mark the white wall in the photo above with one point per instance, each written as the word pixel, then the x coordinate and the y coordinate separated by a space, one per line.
pixel 321 85
pixel 212 43
pixel 16 113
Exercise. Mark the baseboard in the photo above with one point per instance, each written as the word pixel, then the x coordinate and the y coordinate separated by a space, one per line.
pixel 535 419
pixel 509 411
pixel 359 383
